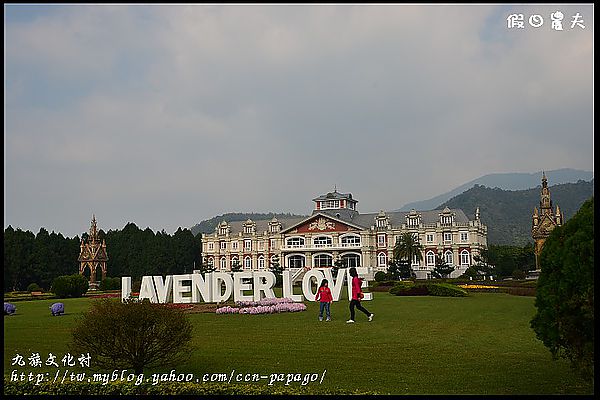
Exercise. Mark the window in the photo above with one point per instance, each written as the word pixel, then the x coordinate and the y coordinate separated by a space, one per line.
pixel 234 260
pixel 223 230
pixel 323 260
pixel 381 223
pixel 351 260
pixel 447 237
pixel 415 260
pixel 464 236
pixel 261 262
pixel 247 262
pixel 464 257
pixel 381 240
pixel 381 260
pixel 330 204
pixel 295 242
pixel 211 262
pixel 296 261
pixel 448 257
pixel 234 245
pixel 322 241
pixel 223 245
pixel 415 236
pixel 261 244
pixel 248 229
pixel 430 258
pixel 430 237
pixel 223 263
pixel 446 219
pixel 413 222
pixel 350 240
pixel 273 243
pixel 211 246
pixel 247 244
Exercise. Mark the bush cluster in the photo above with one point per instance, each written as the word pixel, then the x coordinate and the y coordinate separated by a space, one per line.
pixel 70 286
pixel 165 388
pixel 380 276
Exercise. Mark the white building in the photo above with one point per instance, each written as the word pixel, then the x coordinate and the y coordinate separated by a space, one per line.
pixel 337 231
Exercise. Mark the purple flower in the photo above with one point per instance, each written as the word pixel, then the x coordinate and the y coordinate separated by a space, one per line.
pixel 9 308
pixel 57 308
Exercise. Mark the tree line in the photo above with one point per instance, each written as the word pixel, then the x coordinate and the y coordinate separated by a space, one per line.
pixel 39 258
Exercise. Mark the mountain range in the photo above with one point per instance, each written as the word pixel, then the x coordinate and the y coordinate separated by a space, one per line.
pixel 506 181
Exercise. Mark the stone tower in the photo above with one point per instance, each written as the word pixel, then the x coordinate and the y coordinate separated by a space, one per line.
pixel 544 221
pixel 93 255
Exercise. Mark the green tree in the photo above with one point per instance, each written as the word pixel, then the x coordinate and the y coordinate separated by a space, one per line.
pixel 565 292
pixel 277 269
pixel 408 248
pixel 441 269
pixel 70 286
pixel 133 334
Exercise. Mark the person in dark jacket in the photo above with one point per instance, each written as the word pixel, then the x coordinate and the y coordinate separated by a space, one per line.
pixel 357 295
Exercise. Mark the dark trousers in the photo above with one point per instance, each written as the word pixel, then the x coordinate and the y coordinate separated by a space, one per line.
pixel 356 303
pixel 327 307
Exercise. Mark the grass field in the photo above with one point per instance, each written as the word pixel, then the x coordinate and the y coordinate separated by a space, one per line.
pixel 481 344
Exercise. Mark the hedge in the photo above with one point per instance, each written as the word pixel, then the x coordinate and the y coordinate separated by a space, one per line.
pixel 446 289
pixel 70 286
pixel 167 388
pixel 409 288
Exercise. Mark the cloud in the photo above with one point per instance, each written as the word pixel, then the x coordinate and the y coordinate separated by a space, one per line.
pixel 165 115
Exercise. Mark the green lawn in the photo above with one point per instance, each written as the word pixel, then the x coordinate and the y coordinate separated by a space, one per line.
pixel 480 344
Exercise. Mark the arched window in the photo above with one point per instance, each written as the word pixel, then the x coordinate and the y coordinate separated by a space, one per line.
pixel 261 262
pixel 247 262
pixel 211 262
pixel 322 241
pixel 296 261
pixel 223 263
pixel 430 258
pixel 351 260
pixel 448 257
pixel 323 260
pixel 465 257
pixel 381 260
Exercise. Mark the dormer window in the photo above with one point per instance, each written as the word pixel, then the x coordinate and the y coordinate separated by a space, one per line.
pixel 223 228
pixel 446 217
pixel 413 219
pixel 249 227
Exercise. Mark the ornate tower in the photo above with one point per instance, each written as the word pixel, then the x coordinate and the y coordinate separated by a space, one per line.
pixel 92 255
pixel 543 221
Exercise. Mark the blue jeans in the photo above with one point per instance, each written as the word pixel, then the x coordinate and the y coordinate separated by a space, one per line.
pixel 326 306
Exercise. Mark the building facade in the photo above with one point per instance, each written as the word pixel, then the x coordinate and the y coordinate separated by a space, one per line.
pixel 543 222
pixel 337 232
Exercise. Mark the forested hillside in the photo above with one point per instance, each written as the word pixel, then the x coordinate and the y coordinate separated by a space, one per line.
pixel 507 214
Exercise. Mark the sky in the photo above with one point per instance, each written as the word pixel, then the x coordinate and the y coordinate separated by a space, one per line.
pixel 168 115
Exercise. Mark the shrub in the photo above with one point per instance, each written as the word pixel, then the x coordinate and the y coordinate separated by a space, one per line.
pixel 110 284
pixel 446 289
pixel 34 287
pixel 70 286
pixel 380 276
pixel 133 334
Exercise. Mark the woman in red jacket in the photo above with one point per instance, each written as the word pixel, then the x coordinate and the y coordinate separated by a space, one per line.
pixel 357 294
pixel 324 295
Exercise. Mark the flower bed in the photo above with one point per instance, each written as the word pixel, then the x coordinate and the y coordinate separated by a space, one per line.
pixel 264 306
pixel 105 296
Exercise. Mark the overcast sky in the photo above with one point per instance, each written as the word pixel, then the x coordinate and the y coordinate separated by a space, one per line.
pixel 168 115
